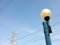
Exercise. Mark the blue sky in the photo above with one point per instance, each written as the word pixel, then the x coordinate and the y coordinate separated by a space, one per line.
pixel 23 18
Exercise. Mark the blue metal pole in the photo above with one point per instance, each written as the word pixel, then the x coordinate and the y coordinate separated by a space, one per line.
pixel 46 32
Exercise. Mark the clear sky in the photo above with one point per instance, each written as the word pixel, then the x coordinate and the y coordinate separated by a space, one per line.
pixel 23 18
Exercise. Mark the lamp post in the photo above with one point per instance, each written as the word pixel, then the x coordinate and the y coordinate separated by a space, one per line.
pixel 46 14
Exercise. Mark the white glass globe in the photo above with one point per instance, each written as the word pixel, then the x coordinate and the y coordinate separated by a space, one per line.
pixel 45 12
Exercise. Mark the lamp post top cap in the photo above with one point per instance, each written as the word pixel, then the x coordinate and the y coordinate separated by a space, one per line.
pixel 46 12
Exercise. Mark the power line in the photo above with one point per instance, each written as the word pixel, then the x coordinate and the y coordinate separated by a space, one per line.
pixel 30 28
pixel 26 35
pixel 32 34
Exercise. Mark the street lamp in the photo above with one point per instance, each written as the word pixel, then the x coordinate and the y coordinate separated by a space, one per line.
pixel 46 14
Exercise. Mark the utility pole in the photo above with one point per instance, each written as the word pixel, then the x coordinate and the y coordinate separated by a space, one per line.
pixel 13 39
pixel 46 14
